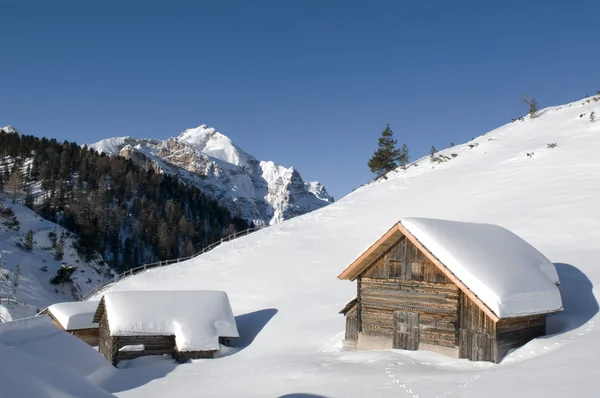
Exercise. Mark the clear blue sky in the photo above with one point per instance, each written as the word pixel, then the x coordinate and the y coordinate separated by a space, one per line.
pixel 306 83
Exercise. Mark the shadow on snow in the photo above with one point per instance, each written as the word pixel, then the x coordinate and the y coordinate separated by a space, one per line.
pixel 250 325
pixel 579 303
pixel 302 395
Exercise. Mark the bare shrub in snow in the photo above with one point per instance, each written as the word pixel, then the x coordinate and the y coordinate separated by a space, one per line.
pixel 552 145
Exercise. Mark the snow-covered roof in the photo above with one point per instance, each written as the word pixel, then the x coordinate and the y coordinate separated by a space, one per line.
pixel 75 315
pixel 493 265
pixel 197 318
pixel 508 274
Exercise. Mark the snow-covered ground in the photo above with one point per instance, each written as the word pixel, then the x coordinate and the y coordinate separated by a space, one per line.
pixel 39 265
pixel 283 289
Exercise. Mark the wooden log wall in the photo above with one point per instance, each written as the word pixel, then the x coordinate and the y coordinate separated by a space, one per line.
pixel 515 332
pixel 153 345
pixel 477 336
pixel 351 325
pixel 106 342
pixel 402 278
pixel 405 262
pixel 90 336
pixel 183 356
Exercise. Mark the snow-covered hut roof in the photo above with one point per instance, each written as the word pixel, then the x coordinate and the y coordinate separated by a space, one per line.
pixel 499 269
pixel 74 315
pixel 197 318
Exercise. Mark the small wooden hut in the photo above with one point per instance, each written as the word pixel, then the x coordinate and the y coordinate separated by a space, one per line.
pixel 75 318
pixel 468 290
pixel 183 324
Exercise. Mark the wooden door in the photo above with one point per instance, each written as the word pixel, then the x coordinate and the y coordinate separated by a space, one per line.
pixel 476 346
pixel 406 330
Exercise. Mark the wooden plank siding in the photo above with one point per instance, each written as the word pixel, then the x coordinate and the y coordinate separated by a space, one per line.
pixel 90 336
pixel 106 342
pixel 515 332
pixel 477 336
pixel 406 330
pixel 351 324
pixel 402 278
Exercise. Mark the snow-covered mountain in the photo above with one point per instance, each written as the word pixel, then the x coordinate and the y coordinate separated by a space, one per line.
pixel 258 191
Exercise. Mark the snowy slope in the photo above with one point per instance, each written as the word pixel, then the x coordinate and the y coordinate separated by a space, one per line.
pixel 284 292
pixel 39 360
pixel 258 191
pixel 38 266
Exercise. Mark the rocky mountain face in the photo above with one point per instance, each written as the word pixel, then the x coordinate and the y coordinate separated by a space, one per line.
pixel 258 191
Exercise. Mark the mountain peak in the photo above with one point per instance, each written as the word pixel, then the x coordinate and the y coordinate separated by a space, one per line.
pixel 214 144
pixel 10 129
pixel 262 192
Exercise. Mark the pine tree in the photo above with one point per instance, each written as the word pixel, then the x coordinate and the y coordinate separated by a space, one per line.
pixel 386 157
pixel 29 240
pixel 16 278
pixel 404 156
pixel 59 249
pixel 532 104
pixel 432 152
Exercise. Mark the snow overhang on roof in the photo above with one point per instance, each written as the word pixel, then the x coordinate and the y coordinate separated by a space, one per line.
pixel 74 315
pixel 197 318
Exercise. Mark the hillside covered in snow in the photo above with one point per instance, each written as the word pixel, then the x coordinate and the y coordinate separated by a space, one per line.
pixel 258 191
pixel 48 269
pixel 539 178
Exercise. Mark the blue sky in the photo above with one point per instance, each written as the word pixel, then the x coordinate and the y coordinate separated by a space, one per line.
pixel 306 83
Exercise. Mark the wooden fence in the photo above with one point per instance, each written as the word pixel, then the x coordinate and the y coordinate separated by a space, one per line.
pixel 99 288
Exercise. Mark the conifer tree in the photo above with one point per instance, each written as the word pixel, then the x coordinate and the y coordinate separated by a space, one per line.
pixel 387 156
pixel 404 156
pixel 16 278
pixel 532 104
pixel 432 151
pixel 29 240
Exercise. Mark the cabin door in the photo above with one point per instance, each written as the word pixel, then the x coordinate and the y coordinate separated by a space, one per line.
pixel 406 330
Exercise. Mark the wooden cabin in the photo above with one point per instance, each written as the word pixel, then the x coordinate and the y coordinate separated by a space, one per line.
pixel 468 290
pixel 183 324
pixel 75 318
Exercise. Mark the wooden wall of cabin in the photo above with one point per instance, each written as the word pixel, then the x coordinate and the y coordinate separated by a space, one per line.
pixel 90 336
pixel 106 342
pixel 153 345
pixel 351 324
pixel 515 332
pixel 482 340
pixel 184 356
pixel 402 278
pixel 477 336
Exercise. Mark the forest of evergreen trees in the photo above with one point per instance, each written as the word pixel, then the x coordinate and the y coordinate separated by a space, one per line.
pixel 129 215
